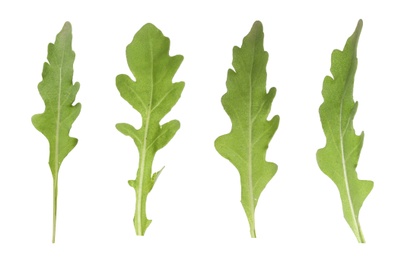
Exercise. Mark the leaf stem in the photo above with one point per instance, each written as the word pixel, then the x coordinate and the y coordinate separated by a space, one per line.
pixel 359 234
pixel 253 230
pixel 55 193
pixel 251 220
pixel 140 212
pixel 139 199
pixel 141 194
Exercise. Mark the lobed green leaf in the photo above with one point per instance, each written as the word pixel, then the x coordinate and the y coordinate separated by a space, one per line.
pixel 152 94
pixel 248 105
pixel 339 158
pixel 58 93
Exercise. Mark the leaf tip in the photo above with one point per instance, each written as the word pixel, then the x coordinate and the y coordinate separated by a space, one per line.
pixel 67 27
pixel 360 23
pixel 149 25
pixel 257 29
pixel 257 25
pixel 358 29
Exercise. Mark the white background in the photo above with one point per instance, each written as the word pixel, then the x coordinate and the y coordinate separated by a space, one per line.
pixel 195 205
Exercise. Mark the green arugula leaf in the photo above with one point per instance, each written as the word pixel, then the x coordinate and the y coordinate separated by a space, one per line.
pixel 339 158
pixel 58 93
pixel 153 94
pixel 248 106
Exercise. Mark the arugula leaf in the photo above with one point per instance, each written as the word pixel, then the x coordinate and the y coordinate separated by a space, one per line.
pixel 339 158
pixel 248 106
pixel 58 93
pixel 153 94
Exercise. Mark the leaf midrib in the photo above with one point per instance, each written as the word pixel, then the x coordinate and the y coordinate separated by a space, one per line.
pixel 343 160
pixel 144 146
pixel 250 144
pixel 56 156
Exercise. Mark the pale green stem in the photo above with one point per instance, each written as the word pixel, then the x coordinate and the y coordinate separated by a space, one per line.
pixel 360 237
pixel 141 191
pixel 55 192
pixel 251 221
pixel 140 215
pixel 253 231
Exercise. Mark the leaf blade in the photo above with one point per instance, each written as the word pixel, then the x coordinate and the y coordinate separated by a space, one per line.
pixel 152 94
pixel 248 105
pixel 58 93
pixel 339 158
